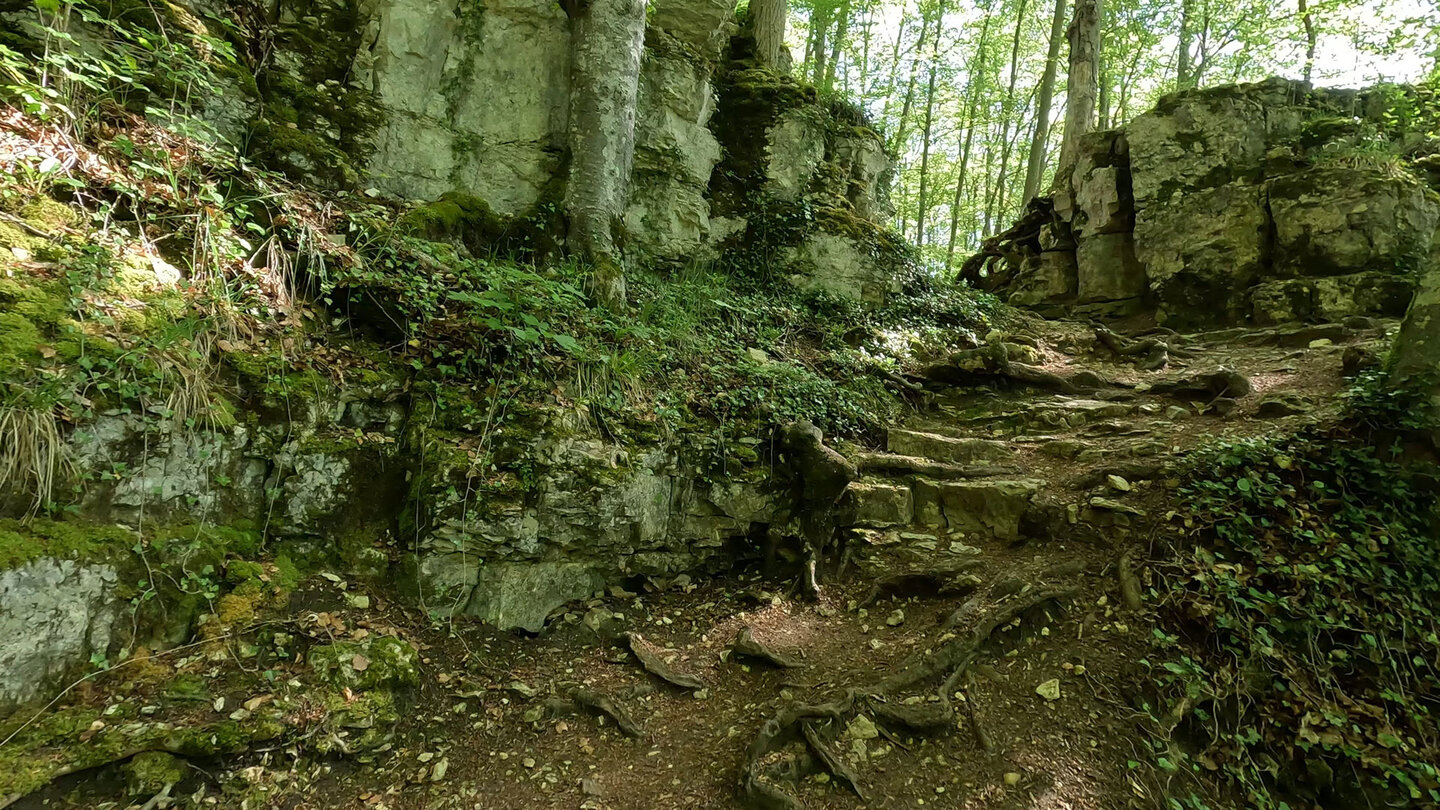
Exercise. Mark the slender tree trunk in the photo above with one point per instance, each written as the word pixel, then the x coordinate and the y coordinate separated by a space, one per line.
pixel 895 63
pixel 1312 39
pixel 1008 111
pixel 929 131
pixel 1082 86
pixel 1131 74
pixel 837 45
pixel 990 191
pixel 901 132
pixel 977 80
pixel 1035 166
pixel 820 23
pixel 1103 80
pixel 767 20
pixel 609 39
pixel 1184 71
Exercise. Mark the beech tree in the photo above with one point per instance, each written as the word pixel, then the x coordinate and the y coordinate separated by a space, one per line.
pixel 609 41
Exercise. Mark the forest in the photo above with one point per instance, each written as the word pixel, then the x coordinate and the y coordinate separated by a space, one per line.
pixel 971 96
pixel 782 404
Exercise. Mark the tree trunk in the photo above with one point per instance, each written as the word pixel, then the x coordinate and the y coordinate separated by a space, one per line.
pixel 820 28
pixel 837 45
pixel 977 83
pixel 1035 167
pixel 900 130
pixel 929 130
pixel 1103 80
pixel 609 40
pixel 1007 111
pixel 767 21
pixel 1312 38
pixel 1083 85
pixel 1184 71
pixel 895 63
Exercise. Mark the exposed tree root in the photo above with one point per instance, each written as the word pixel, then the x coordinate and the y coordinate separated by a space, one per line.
pixel 958 654
pixel 948 581
pixel 746 645
pixel 1208 386
pixel 764 760
pixel 602 704
pixel 920 718
pixel 981 735
pixel 655 665
pixel 1152 354
pixel 832 763
pixel 992 365
pixel 886 462
pixel 1129 584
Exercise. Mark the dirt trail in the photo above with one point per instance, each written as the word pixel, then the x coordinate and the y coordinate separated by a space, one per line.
pixel 987 498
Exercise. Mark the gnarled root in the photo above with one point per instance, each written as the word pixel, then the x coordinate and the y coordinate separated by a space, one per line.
pixel 655 665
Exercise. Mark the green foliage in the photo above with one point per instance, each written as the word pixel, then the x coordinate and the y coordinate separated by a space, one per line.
pixel 1306 613
pixel 131 56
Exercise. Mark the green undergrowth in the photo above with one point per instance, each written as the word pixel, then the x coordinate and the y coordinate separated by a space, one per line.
pixel 1299 657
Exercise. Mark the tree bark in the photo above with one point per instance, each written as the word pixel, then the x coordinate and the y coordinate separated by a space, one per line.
pixel 767 21
pixel 1035 167
pixel 1083 83
pixel 820 20
pixel 609 41
pixel 895 61
pixel 1008 110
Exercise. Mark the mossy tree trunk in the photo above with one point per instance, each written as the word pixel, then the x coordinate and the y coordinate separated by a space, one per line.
pixel 609 42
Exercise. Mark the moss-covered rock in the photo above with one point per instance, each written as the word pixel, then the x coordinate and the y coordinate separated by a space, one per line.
pixel 385 662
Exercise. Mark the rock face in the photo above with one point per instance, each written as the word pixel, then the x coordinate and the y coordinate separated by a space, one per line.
pixel 1227 205
pixel 54 614
pixel 423 99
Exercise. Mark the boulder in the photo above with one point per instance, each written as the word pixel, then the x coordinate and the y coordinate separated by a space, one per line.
pixel 1333 221
pixel 879 506
pixel 996 508
pixel 1107 269
pixel 841 265
pixel 1331 298
pixel 522 595
pixel 1049 278
pixel 54 615
pixel 1203 251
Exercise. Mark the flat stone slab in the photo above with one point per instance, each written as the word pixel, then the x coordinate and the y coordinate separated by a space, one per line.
pixel 879 506
pixel 995 508
pixel 945 448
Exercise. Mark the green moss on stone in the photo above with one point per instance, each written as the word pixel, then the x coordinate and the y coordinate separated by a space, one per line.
pixel 21 543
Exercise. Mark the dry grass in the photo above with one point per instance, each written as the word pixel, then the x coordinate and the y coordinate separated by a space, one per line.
pixel 34 457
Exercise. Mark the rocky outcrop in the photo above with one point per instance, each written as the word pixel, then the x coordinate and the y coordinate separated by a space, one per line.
pixel 1262 203
pixel 473 98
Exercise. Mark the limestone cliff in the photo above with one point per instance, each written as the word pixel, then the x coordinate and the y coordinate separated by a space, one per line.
pixel 1262 203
